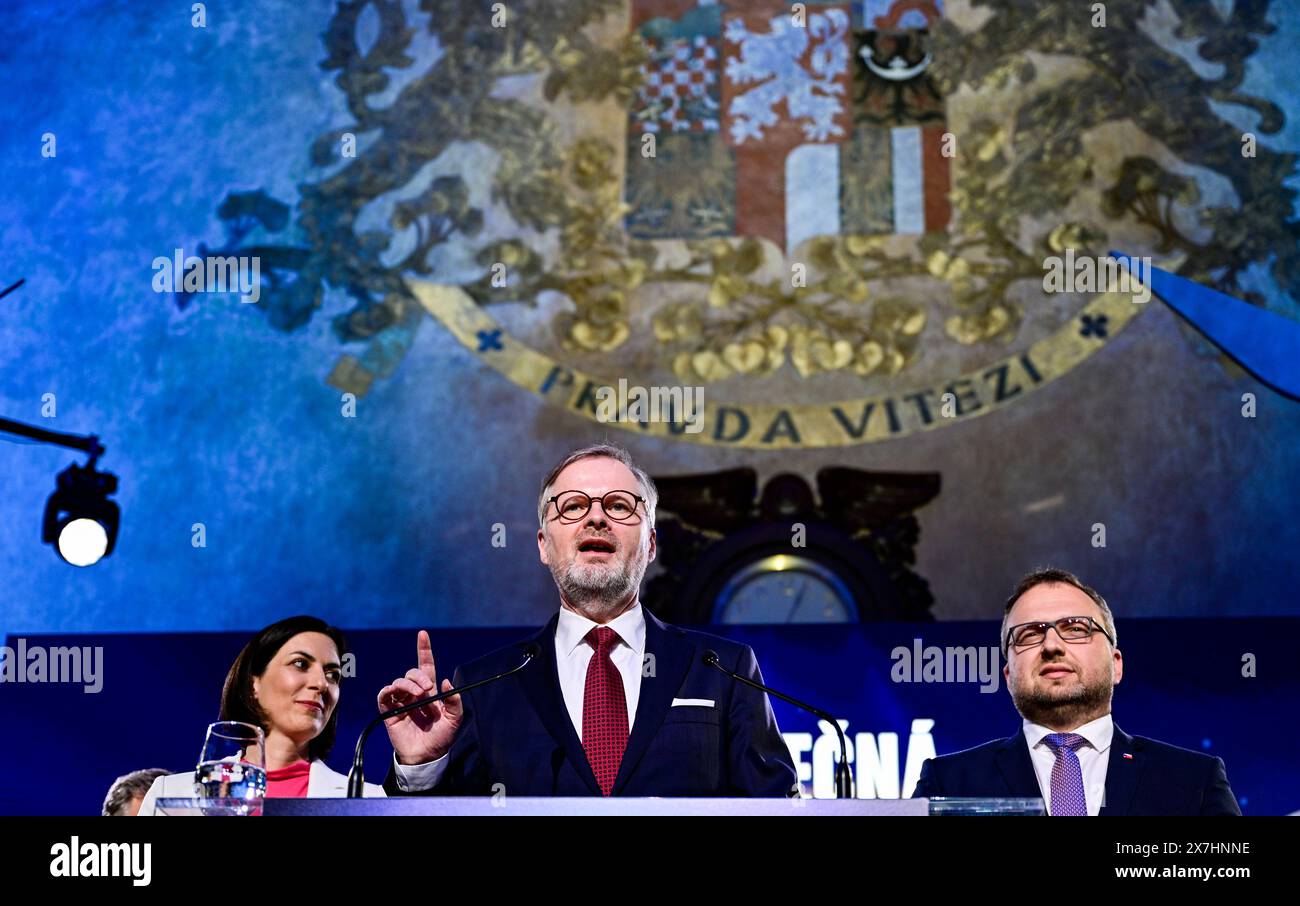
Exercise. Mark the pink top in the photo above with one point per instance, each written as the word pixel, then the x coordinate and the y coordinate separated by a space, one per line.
pixel 288 782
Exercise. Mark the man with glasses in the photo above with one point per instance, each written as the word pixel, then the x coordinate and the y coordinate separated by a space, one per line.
pixel 1059 640
pixel 617 703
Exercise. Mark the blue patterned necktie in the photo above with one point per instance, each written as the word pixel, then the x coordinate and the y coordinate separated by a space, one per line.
pixel 1068 796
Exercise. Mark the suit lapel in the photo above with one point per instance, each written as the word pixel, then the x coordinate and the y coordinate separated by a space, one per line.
pixel 541 682
pixel 323 783
pixel 672 656
pixel 1017 768
pixel 1122 773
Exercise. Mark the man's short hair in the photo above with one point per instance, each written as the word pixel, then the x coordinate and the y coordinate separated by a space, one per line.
pixel 1049 575
pixel 128 787
pixel 612 451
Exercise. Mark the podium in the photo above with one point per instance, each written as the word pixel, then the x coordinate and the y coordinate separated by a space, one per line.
pixel 584 805
pixel 592 805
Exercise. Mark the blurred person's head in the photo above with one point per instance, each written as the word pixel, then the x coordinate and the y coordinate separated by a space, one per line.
pixel 128 791
pixel 286 681
pixel 1059 639
pixel 596 513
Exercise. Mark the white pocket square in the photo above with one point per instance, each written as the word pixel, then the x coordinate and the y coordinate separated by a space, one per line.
pixel 693 703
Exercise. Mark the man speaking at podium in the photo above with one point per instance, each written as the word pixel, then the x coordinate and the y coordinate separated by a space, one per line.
pixel 616 703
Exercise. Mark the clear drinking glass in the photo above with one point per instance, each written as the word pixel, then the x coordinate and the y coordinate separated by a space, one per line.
pixel 230 776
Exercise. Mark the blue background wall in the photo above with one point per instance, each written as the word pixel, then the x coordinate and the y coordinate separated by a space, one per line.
pixel 161 691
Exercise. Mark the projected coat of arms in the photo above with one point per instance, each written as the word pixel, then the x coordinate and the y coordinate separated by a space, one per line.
pixel 834 217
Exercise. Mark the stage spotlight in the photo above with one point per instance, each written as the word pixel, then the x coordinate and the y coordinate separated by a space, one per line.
pixel 80 521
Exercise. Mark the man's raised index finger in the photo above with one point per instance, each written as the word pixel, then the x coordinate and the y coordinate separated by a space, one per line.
pixel 424 652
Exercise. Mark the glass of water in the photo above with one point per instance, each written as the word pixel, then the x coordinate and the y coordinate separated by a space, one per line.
pixel 231 777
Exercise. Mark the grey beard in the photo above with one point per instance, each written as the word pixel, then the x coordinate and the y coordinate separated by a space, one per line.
pixel 1061 710
pixel 597 587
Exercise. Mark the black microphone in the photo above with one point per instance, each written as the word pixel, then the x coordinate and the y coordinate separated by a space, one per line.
pixel 357 776
pixel 843 777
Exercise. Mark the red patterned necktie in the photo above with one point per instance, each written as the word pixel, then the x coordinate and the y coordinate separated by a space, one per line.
pixel 604 710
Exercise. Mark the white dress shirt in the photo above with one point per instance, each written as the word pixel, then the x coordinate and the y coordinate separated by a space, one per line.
pixel 1093 759
pixel 572 657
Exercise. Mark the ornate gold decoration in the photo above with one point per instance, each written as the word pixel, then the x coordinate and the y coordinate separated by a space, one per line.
pixel 1027 183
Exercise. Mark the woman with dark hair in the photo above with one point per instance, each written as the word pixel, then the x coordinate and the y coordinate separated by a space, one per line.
pixel 286 681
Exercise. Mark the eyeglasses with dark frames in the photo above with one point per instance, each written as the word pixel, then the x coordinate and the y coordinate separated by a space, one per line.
pixel 1075 630
pixel 573 506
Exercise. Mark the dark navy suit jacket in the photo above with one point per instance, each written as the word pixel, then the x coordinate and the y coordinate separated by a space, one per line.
pixel 1159 779
pixel 517 731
